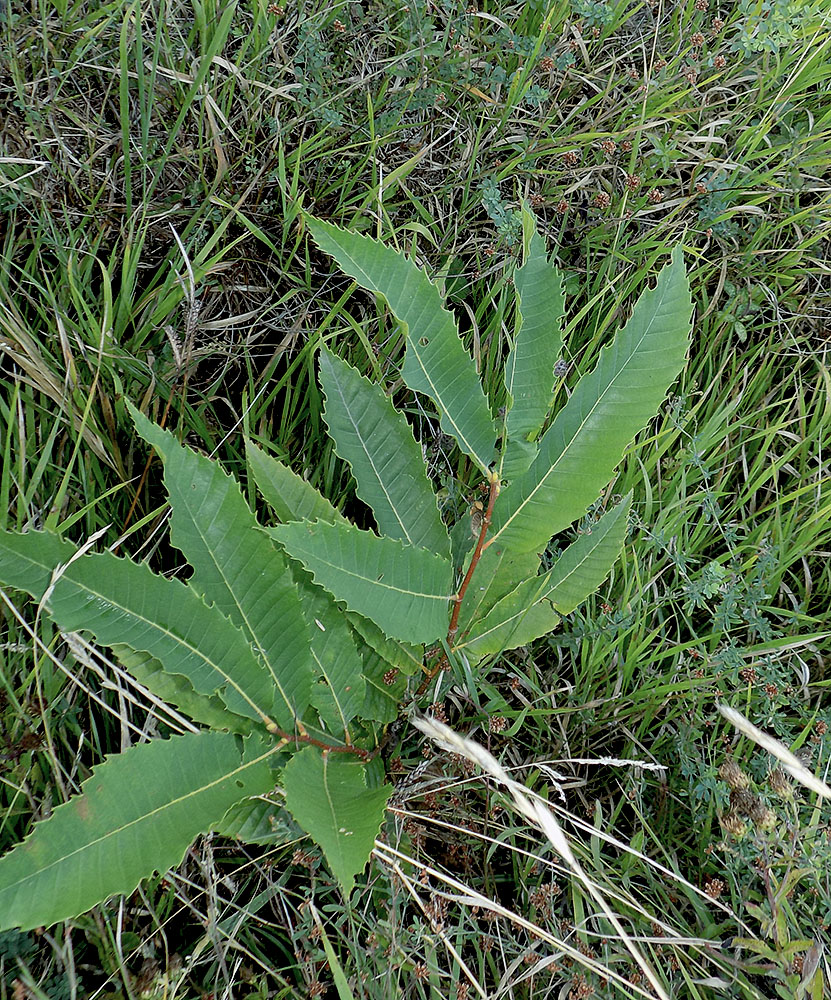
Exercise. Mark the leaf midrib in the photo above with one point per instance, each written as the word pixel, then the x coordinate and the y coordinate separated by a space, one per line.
pixel 365 579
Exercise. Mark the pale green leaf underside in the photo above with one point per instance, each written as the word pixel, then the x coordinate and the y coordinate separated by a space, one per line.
pixel 586 563
pixel 289 496
pixel 404 656
pixel 343 816
pixel 405 591
pixel 120 601
pixel 235 567
pixel 377 442
pixel 137 813
pixel 498 571
pixel 510 623
pixel 580 450
pixel 177 690
pixel 436 362
pixel 529 370
pixel 518 456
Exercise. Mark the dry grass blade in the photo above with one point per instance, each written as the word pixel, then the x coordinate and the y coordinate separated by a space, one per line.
pixel 466 895
pixel 793 765
pixel 541 816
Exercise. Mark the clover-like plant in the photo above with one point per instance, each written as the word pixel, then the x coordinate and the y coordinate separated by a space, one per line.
pixel 290 646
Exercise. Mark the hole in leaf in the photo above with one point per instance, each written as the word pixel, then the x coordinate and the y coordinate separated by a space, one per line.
pixel 423 341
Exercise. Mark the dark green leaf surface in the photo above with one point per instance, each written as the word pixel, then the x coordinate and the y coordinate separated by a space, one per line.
pixel 236 567
pixel 137 813
pixel 376 441
pixel 405 591
pixel 120 601
pixel 587 439
pixel 341 814
pixel 436 362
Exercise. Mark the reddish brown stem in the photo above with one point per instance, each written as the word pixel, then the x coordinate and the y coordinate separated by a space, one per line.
pixel 460 596
pixel 305 738
pixel 477 554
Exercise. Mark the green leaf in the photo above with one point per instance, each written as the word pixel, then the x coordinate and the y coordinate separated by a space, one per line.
pixel 405 591
pixel 328 796
pixel 178 691
pixel 338 694
pixel 137 813
pixel 526 613
pixel 290 497
pixel 436 362
pixel 461 540
pixel 259 821
pixel 382 701
pixel 235 567
pixel 529 370
pixel 498 571
pixel 518 457
pixel 586 563
pixel 376 441
pixel 513 621
pixel 580 450
pixel 120 601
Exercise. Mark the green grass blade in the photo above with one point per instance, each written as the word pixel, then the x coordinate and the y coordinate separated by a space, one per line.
pixel 580 450
pixel 137 813
pixel 339 977
pixel 436 362
pixel 405 591
pixel 376 441
pixel 235 567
